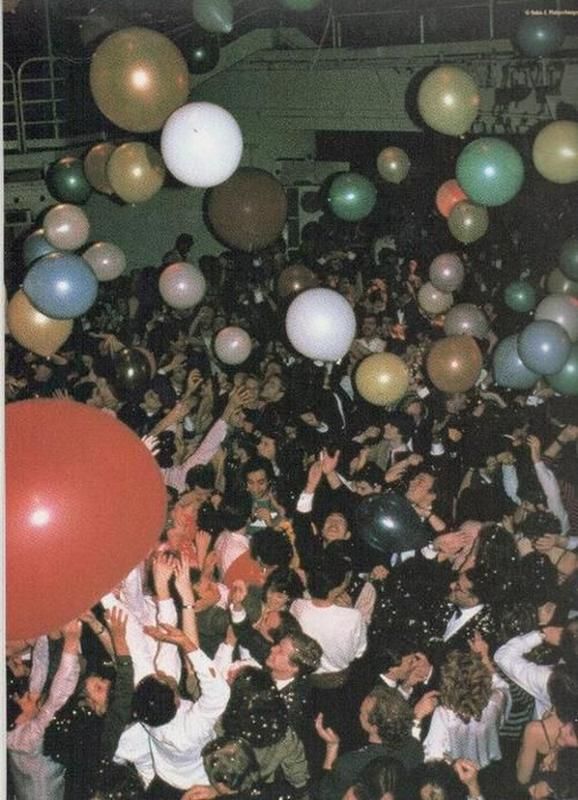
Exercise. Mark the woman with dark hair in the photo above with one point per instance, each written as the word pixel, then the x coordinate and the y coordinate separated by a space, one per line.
pixel 383 779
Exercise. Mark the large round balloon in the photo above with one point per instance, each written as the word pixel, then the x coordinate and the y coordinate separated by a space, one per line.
pixel 34 330
pixel 352 196
pixel 66 227
pixel 36 246
pixel 559 283
pixel 568 258
pixel 446 272
pixel 454 363
pixel 449 195
pixel 214 16
pixel 61 285
pixel 389 523
pixel 544 346
pixel 67 182
pixel 95 163
pixel 509 369
pixel 468 222
pixel 520 296
pixel 320 324
pixel 295 279
pixel 249 210
pixel 131 373
pixel 466 319
pixel 202 55
pixel 202 144
pixel 393 164
pixel 106 259
pixel 138 78
pixel 432 300
pixel 448 100
pixel 232 345
pixel 561 309
pixel 85 501
pixel 136 172
pixel 490 171
pixel 382 379
pixel 566 381
pixel 539 36
pixel 555 152
pixel 182 285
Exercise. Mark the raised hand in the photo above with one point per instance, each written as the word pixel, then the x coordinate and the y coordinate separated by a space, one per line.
pixel 327 734
pixel 183 585
pixel 116 620
pixel 426 705
pixel 329 463
pixel 238 594
pixel 168 633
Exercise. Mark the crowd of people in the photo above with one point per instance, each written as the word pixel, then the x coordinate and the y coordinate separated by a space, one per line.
pixel 268 647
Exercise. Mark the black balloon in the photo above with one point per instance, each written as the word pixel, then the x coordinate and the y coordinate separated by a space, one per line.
pixel 131 374
pixel 202 55
pixel 388 522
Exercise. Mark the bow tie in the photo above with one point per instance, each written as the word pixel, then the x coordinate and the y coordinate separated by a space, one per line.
pixel 458 611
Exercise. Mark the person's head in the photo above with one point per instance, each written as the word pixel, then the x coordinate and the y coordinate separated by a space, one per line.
pixel 386 717
pixel 258 476
pixel 539 523
pixel 436 780
pixel 94 694
pixel 383 778
pixel 397 654
pixel 252 386
pixel 42 371
pixel 368 480
pixel 397 428
pixel 466 685
pixel 267 446
pixel 273 389
pixel 463 591
pixel 295 654
pixel 230 765
pixel 563 692
pixel 155 700
pixel 200 481
pixel 281 588
pixel 183 243
pixel 456 403
pixel 415 408
pixel 89 394
pixel 327 582
pixel 271 548
pixel 335 528
pixel 421 489
pixel 368 326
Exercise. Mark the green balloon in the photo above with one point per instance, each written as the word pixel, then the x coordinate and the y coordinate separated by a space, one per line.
pixel 559 283
pixel 566 381
pixel 569 258
pixel 468 222
pixel 67 182
pixel 490 171
pixel 214 16
pixel 300 5
pixel 539 36
pixel 352 196
pixel 520 296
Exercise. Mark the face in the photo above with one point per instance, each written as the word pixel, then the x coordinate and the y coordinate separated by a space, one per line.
pixel 97 691
pixel 252 387
pixel 567 736
pixel 540 790
pixel 96 399
pixel 366 708
pixel 456 403
pixel 199 495
pixel 275 600
pixel 431 792
pixel 151 401
pixel 267 448
pixel 271 389
pixel 364 488
pixel 335 528
pixel 257 484
pixel 390 432
pixel 414 409
pixel 279 658
pixel 461 592
pixel 42 373
pixel 369 327
pixel 420 489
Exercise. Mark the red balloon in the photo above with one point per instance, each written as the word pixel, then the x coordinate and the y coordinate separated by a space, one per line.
pixel 448 195
pixel 85 501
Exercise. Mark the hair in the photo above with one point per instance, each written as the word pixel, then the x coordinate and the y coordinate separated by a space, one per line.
pixel 380 776
pixel 569 644
pixel 390 653
pixel 441 777
pixel 322 580
pixel 391 715
pixel 370 473
pixel 258 463
pixel 563 691
pixel 272 547
pixel 83 392
pixel 497 569
pixel 466 685
pixel 307 652
pixel 153 702
pixel 284 580
pixel 202 475
pixel 118 780
pixel 538 523
pixel 403 422
pixel 255 711
pixel 231 762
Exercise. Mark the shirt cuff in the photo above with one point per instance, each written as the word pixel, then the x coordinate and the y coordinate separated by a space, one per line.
pixel 305 503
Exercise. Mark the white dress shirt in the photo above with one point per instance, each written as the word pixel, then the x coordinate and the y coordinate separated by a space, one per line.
pixel 341 632
pixel 533 678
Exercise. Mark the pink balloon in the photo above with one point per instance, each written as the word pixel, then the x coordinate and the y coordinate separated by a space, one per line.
pixel 446 272
pixel 232 345
pixel 182 285
pixel 66 227
pixel 106 259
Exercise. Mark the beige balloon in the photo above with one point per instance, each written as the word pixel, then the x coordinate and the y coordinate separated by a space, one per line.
pixel 34 330
pixel 382 379
pixel 432 300
pixel 468 222
pixel 393 164
pixel 555 152
pixel 66 227
pixel 136 172
pixel 448 100
pixel 95 162
pixel 558 283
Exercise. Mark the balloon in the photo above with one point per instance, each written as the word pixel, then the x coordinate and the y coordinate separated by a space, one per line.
pixel 202 144
pixel 67 182
pixel 539 36
pixel 352 196
pixel 382 379
pixel 568 258
pixel 95 163
pixel 34 330
pixel 466 319
pixel 131 373
pixel 35 246
pixel 320 324
pixel 61 285
pixel 558 283
pixel 232 345
pixel 66 227
pixel 544 346
pixel 136 172
pixel 432 300
pixel 388 522
pixel 454 363
pixel 448 100
pixel 560 308
pixel 300 5
pixel 509 369
pixel 566 381
pixel 249 210
pixel 214 16
pixel 520 296
pixel 68 540
pixel 468 222
pixel 555 152
pixel 446 272
pixel 138 78
pixel 99 22
pixel 295 279
pixel 202 55
pixel 490 171
pixel 182 285
pixel 449 195
pixel 393 164
pixel 106 259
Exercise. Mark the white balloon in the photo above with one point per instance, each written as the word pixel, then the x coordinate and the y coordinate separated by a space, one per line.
pixel 560 308
pixel 182 285
pixel 201 144
pixel 320 324
pixel 232 345
pixel 106 259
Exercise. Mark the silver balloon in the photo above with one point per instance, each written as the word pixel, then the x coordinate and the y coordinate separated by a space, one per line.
pixel 182 285
pixel 466 319
pixel 232 345
pixel 106 259
pixel 544 346
pixel 509 369
pixel 432 300
pixel 560 308
pixel 446 272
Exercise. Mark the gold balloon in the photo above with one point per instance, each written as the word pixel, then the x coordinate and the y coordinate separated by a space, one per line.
pixel 555 152
pixel 138 78
pixel 393 164
pixel 136 172
pixel 448 100
pixel 33 330
pixel 295 279
pixel 468 222
pixel 434 301
pixel 382 379
pixel 558 283
pixel 454 363
pixel 95 162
